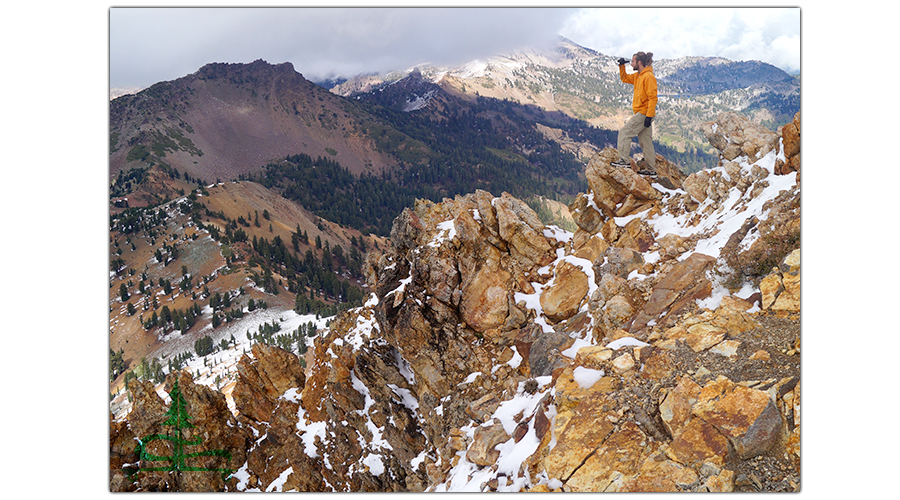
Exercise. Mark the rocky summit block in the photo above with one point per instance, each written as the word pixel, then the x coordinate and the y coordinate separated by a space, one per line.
pixel 612 186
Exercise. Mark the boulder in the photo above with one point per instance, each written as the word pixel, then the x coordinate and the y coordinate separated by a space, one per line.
pixel 586 213
pixel 696 185
pixel 748 418
pixel 571 386
pixel 563 299
pixel 659 365
pixel 669 175
pixel 702 336
pixel 780 289
pixel 790 136
pixel 544 355
pixel 483 451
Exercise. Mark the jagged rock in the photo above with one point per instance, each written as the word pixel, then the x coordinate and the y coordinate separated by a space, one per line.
pixel 570 390
pixel 789 299
pixel 727 348
pixel 593 356
pixel 481 409
pixel 408 391
pixel 523 230
pixel 635 235
pixel 771 287
pixel 697 184
pixel 145 416
pixel 791 262
pixel 406 230
pixel 658 365
pixel 791 137
pixel 264 379
pixel 121 454
pixel 588 246
pixel 485 304
pixel 669 175
pixel 703 336
pixel 761 355
pixel 281 448
pixel 723 482
pixel 586 213
pixel 618 310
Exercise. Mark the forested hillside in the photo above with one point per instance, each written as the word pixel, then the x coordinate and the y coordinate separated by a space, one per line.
pixel 444 150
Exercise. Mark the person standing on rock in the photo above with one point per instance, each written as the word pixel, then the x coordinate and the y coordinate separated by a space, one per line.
pixel 644 106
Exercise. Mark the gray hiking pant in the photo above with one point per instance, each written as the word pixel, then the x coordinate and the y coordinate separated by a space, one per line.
pixel 635 127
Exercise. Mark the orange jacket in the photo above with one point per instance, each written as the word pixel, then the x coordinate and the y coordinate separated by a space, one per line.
pixel 644 90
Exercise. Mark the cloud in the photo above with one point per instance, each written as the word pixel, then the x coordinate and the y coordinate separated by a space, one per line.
pixel 767 34
pixel 150 45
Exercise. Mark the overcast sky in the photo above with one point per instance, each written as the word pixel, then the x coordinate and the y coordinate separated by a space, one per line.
pixel 148 45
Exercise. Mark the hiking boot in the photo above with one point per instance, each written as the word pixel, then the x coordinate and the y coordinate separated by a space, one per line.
pixel 649 173
pixel 621 163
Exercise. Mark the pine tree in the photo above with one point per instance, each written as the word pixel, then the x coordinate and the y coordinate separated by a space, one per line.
pixel 179 419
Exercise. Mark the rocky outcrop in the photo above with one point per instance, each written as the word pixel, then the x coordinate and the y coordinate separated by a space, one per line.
pixel 790 136
pixel 780 290
pixel 734 135
pixel 499 354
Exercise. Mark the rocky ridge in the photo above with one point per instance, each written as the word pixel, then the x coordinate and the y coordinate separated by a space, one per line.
pixel 497 354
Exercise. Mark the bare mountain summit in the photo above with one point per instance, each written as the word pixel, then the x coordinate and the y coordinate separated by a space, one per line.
pixel 228 119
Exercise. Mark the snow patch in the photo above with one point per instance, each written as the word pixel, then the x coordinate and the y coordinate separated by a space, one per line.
pixel 446 232
pixel 626 342
pixel 587 377
pixel 278 483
